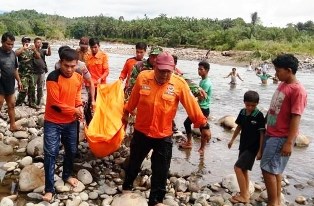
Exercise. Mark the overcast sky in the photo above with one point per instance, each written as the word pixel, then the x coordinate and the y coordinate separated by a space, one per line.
pixel 271 12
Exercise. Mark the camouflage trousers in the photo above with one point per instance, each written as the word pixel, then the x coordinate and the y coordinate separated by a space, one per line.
pixel 28 82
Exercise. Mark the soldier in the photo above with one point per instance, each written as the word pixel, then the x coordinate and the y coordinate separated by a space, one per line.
pixel 26 55
pixel 141 66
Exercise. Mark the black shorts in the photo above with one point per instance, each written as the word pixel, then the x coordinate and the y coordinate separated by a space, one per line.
pixel 7 86
pixel 246 160
pixel 206 112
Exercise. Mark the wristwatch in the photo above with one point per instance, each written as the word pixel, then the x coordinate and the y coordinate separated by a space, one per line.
pixel 205 126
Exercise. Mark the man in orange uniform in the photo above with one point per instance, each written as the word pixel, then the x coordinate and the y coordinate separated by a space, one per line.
pixel 97 62
pixel 63 109
pixel 156 95
pixel 129 64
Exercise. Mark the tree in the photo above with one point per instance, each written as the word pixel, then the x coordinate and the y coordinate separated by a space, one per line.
pixel 254 20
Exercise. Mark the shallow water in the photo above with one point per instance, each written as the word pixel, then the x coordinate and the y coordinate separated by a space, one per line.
pixel 219 160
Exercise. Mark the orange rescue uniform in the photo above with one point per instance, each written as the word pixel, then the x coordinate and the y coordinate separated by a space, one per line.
pixel 157 104
pixel 63 96
pixel 127 69
pixel 98 66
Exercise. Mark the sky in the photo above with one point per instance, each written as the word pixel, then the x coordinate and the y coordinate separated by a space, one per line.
pixel 271 12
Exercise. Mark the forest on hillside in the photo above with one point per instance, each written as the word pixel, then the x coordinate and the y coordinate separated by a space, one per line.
pixel 205 33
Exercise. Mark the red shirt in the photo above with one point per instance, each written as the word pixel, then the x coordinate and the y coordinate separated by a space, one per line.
pixel 288 99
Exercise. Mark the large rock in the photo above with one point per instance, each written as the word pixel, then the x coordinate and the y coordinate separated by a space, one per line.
pixel 129 199
pixel 302 141
pixel 31 177
pixel 84 176
pixel 228 121
pixel 6 202
pixel 231 183
pixel 35 147
pixel 5 150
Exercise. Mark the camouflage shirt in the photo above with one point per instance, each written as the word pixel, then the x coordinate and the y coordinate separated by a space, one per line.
pixel 26 62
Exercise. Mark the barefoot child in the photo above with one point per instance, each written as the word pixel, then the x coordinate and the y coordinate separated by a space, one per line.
pixel 204 100
pixel 283 120
pixel 251 123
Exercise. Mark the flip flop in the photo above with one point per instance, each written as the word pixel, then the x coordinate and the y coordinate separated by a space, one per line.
pixel 18 129
pixel 235 199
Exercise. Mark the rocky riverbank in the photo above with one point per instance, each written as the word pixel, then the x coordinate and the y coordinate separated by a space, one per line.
pixel 230 58
pixel 100 179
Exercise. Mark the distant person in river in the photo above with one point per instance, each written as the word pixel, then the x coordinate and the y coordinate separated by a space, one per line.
pixel 234 75
pixel 282 127
pixel 251 123
pixel 264 77
pixel 204 102
pixel 140 51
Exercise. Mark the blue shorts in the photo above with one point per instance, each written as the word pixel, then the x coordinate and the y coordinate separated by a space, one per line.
pixel 272 161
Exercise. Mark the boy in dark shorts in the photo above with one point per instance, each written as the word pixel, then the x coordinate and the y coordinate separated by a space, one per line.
pixel 251 123
pixel 283 120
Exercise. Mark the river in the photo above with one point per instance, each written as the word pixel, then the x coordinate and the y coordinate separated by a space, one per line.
pixel 219 160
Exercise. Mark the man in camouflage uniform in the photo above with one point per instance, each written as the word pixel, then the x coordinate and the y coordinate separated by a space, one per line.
pixel 26 55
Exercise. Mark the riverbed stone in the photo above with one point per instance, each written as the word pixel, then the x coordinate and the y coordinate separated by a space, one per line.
pixel 21 134
pixel 79 188
pixel 108 190
pixel 84 176
pixel 83 196
pixel 300 200
pixel 129 199
pixel 9 165
pixel 6 202
pixel 35 147
pixel 228 121
pixel 75 202
pixel 5 149
pixel 26 161
pixel 230 182
pixel 30 178
pixel 181 185
pixel 302 141
pixel 33 131
pixel 11 141
pixel 93 195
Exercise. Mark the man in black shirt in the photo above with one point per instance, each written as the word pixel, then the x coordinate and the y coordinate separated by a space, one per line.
pixel 8 75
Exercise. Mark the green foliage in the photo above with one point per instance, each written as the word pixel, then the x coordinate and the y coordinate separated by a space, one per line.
pixel 206 33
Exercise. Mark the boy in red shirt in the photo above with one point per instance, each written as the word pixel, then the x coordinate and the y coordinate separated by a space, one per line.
pixel 283 120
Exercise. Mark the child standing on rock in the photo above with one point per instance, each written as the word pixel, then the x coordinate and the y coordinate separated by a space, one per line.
pixel 251 123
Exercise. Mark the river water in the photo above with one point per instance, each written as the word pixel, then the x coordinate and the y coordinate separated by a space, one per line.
pixel 219 160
